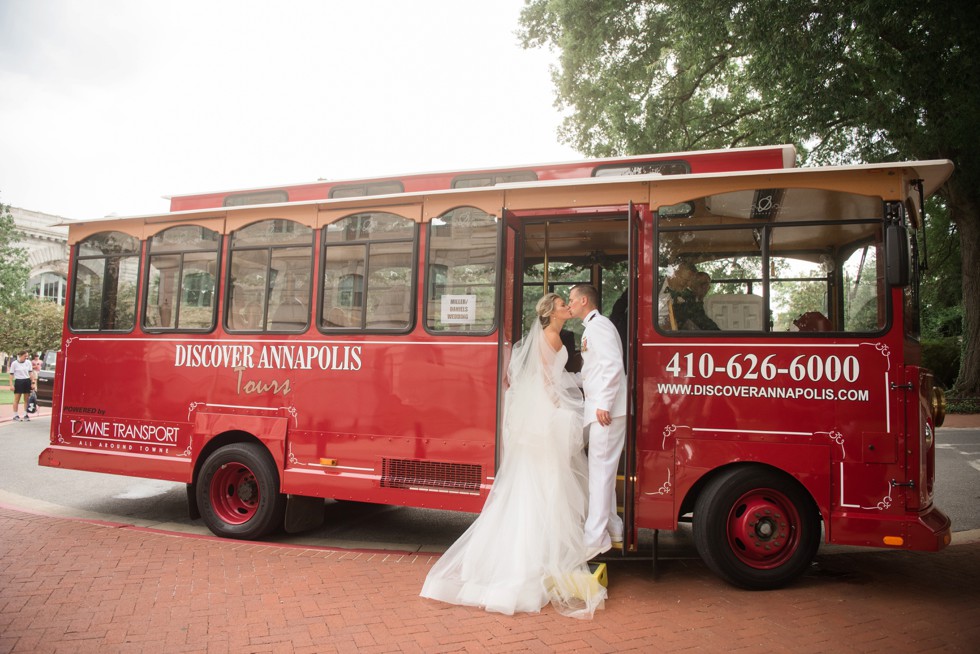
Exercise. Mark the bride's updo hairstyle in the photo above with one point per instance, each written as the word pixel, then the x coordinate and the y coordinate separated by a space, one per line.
pixel 546 307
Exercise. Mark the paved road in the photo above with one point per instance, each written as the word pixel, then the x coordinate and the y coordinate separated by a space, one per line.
pixel 958 476
pixel 160 504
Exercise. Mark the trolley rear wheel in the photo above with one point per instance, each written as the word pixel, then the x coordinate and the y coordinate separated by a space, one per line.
pixel 238 492
pixel 756 528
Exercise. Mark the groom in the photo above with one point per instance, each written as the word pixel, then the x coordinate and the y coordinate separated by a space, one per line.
pixel 604 383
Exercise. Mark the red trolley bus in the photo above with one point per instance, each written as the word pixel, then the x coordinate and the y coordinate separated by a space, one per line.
pixel 355 348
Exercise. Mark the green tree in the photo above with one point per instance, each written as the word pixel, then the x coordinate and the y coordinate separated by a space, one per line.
pixel 34 325
pixel 14 270
pixel 942 302
pixel 844 80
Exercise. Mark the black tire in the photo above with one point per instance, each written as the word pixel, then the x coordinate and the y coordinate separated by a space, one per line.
pixel 756 528
pixel 238 492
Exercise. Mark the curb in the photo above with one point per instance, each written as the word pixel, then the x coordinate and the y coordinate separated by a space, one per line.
pixel 41 413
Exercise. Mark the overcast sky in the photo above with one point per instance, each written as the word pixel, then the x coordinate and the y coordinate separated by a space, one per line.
pixel 107 105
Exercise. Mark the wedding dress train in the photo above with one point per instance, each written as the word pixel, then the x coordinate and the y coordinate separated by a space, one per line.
pixel 525 549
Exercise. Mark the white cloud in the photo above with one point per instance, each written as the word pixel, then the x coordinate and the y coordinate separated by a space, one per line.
pixel 106 106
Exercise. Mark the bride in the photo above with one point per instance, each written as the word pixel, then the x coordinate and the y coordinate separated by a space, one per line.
pixel 525 549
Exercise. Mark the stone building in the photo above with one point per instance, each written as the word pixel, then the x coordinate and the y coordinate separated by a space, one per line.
pixel 46 241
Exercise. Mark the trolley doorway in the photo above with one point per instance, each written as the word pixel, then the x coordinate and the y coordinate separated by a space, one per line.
pixel 553 253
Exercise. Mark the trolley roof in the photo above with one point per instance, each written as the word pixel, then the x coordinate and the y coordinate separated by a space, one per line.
pixel 642 188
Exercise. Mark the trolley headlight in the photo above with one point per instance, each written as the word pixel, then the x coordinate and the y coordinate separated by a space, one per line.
pixel 938 406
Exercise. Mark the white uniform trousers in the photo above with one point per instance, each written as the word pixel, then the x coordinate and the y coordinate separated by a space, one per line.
pixel 605 447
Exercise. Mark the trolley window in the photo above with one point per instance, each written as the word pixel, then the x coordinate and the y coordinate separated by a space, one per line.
pixel 372 188
pixel 492 179
pixel 256 197
pixel 105 283
pixel 270 269
pixel 368 273
pixel 461 276
pixel 677 167
pixel 772 260
pixel 181 278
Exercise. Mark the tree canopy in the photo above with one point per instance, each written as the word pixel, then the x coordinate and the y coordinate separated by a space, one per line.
pixel 34 326
pixel 14 270
pixel 26 323
pixel 845 80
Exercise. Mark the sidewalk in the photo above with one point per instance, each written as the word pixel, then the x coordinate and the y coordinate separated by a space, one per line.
pixel 7 412
pixel 73 586
pixel 961 421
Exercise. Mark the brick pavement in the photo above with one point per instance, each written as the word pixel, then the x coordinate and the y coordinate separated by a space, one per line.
pixel 76 586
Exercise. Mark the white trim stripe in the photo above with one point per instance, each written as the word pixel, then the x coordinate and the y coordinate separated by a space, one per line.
pixel 744 345
pixel 287 342
pixel 135 455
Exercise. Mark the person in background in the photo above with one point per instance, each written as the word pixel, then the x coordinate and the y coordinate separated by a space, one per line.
pixel 35 368
pixel 812 321
pixel 687 287
pixel 20 382
pixel 701 285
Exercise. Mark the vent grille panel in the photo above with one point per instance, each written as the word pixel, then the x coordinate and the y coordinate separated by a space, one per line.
pixel 430 475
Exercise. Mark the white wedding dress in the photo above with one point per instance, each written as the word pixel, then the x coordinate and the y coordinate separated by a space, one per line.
pixel 526 549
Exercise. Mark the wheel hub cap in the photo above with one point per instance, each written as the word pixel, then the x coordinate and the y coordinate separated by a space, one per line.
pixel 762 529
pixel 235 493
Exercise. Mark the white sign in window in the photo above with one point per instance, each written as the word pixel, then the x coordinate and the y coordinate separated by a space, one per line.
pixel 458 309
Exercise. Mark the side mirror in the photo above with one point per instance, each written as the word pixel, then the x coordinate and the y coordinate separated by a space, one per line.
pixel 897 261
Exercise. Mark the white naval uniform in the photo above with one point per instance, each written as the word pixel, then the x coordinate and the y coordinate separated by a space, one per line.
pixel 604 383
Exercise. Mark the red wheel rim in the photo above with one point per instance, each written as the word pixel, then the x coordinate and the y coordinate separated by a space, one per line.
pixel 763 529
pixel 234 493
